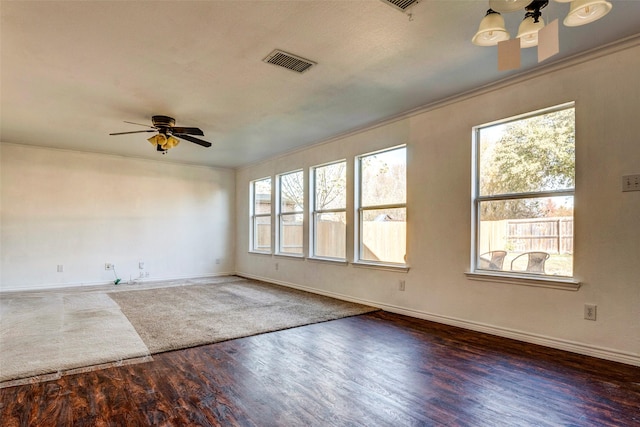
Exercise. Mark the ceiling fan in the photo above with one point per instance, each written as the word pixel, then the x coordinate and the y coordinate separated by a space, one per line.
pixel 168 133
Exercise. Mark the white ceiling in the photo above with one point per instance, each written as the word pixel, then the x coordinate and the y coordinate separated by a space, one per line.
pixel 72 72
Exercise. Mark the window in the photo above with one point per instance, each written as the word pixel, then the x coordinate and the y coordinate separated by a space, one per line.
pixel 290 213
pixel 523 194
pixel 261 215
pixel 329 215
pixel 382 206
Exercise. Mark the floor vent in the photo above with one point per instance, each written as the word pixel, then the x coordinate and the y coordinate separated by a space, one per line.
pixel 402 5
pixel 289 61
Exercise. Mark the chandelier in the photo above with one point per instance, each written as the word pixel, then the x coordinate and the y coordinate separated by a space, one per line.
pixel 492 31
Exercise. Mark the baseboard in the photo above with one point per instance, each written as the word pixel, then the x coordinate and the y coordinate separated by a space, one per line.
pixel 52 286
pixel 566 345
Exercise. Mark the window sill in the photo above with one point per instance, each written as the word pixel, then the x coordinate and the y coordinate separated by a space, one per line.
pixel 379 266
pixel 337 261
pixel 260 253
pixel 565 284
pixel 294 256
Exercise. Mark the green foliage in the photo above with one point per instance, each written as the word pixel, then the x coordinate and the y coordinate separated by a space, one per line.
pixel 531 155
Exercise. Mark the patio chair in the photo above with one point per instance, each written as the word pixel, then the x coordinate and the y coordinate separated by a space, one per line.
pixel 535 261
pixel 492 260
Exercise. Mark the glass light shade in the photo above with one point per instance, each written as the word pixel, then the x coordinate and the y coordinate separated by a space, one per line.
pixel 158 139
pixel 505 6
pixel 491 31
pixel 583 12
pixel 171 142
pixel 163 141
pixel 528 31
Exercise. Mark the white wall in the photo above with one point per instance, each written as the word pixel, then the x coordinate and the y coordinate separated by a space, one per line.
pixel 607 222
pixel 82 210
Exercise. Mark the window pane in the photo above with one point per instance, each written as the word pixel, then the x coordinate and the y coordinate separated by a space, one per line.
pixel 291 192
pixel 383 178
pixel 384 235
pixel 291 233
pixel 511 230
pixel 262 233
pixel 331 186
pixel 331 232
pixel 262 196
pixel 532 154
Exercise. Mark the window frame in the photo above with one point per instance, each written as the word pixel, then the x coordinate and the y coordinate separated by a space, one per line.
pixel 360 210
pixel 280 215
pixel 530 279
pixel 315 213
pixel 256 216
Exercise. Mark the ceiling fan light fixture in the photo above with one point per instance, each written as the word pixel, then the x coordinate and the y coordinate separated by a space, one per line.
pixel 491 30
pixel 528 31
pixel 164 142
pixel 583 12
pixel 169 135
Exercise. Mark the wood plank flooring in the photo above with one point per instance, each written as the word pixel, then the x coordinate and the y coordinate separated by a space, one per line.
pixel 378 369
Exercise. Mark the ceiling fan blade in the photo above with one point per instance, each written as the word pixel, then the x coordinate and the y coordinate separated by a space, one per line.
pixel 188 131
pixel 135 131
pixel 140 124
pixel 193 139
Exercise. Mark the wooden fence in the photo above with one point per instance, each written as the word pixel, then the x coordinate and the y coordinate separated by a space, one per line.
pixel 552 235
pixel 383 240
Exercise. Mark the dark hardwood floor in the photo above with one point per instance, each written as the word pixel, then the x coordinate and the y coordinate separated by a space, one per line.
pixel 378 369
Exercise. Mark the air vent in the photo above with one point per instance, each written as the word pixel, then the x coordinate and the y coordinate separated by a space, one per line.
pixel 402 5
pixel 289 61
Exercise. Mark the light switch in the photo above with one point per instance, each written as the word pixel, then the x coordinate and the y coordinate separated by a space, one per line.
pixel 631 183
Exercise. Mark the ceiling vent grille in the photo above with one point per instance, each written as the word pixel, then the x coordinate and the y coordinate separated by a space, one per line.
pixel 289 61
pixel 402 5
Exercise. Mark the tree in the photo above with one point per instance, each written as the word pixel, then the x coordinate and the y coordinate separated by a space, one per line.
pixel 331 187
pixel 530 155
pixel 292 191
pixel 384 177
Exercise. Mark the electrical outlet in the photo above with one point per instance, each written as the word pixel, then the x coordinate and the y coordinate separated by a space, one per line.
pixel 108 266
pixel 141 265
pixel 217 261
pixel 60 268
pixel 277 266
pixel 401 285
pixel 631 183
pixel 590 311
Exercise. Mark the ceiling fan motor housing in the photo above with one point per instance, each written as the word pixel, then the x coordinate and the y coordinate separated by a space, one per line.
pixel 163 121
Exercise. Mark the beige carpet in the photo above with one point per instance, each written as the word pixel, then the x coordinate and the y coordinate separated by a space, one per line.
pixel 180 317
pixel 46 334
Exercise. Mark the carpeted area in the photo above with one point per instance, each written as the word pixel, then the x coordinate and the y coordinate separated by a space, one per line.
pixel 188 316
pixel 46 334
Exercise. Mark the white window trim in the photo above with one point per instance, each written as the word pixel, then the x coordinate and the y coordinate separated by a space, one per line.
pixel 254 216
pixel 552 282
pixel 536 280
pixel 359 209
pixel 314 213
pixel 403 268
pixel 280 215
